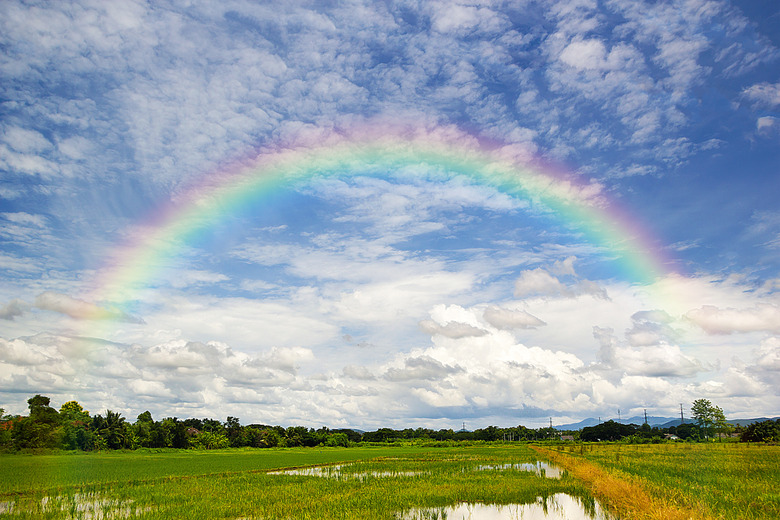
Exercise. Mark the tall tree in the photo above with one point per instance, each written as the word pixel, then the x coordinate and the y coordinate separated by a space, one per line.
pixel 76 434
pixel 707 415
pixel 41 428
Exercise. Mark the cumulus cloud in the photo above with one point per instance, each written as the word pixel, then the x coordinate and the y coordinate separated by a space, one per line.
pixel 421 368
pixel 658 360
pixel 80 309
pixel 767 355
pixel 764 317
pixel 650 328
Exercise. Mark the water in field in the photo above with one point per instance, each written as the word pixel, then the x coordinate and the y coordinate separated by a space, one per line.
pixel 341 471
pixel 337 471
pixel 555 507
pixel 82 506
pixel 542 469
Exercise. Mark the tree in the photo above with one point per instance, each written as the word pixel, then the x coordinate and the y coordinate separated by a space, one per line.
pixel 234 431
pixel 686 431
pixel 764 431
pixel 607 431
pixel 76 434
pixel 41 428
pixel 113 430
pixel 707 415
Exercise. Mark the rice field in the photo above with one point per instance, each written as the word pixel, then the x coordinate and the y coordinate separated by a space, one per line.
pixel 370 483
pixel 649 481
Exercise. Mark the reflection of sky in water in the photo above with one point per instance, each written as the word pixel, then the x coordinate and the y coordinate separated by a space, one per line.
pixel 540 468
pixel 335 471
pixel 556 507
pixel 84 506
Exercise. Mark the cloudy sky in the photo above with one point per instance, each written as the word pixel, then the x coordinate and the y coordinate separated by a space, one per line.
pixel 378 291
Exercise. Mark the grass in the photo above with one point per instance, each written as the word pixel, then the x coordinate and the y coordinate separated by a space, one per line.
pixel 712 480
pixel 26 473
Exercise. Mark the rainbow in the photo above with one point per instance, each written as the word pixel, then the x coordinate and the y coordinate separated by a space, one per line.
pixel 376 150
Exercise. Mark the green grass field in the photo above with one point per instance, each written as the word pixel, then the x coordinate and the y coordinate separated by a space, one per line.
pixel 727 481
pixel 235 483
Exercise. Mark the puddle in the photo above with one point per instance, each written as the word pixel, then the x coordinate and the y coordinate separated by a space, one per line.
pixel 556 507
pixel 82 506
pixel 336 472
pixel 540 468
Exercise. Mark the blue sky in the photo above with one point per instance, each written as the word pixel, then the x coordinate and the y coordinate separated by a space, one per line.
pixel 394 298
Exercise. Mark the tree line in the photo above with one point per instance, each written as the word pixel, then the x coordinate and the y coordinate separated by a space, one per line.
pixel 73 428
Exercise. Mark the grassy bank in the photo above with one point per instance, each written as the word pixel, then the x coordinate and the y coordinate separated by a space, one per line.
pixel 710 480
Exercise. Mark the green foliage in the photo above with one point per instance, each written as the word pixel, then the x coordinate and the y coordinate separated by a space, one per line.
pixel 709 417
pixel 764 431
pixel 607 431
pixel 209 441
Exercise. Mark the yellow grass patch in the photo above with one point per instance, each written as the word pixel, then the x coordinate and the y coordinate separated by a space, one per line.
pixel 623 494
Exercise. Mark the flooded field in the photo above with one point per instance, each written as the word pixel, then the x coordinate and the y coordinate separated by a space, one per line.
pixel 80 506
pixel 455 482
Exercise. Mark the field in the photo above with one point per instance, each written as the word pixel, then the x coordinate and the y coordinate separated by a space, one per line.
pixel 663 481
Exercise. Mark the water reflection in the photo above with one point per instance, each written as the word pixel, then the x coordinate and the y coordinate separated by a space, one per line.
pixel 540 468
pixel 555 507
pixel 84 506
pixel 336 471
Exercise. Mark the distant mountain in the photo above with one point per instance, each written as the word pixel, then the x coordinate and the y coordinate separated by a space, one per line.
pixel 660 422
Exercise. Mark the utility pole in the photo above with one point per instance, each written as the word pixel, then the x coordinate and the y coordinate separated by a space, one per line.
pixel 645 415
pixel 682 419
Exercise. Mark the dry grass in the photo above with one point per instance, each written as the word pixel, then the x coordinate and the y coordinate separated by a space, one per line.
pixel 623 494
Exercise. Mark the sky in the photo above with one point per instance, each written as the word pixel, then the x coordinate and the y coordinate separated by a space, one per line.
pixel 391 214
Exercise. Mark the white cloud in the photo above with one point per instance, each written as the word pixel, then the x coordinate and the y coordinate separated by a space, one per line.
pixel 764 317
pixel 507 319
pixel 767 355
pixel 451 329
pixel 540 283
pixel 763 94
pixel 24 140
pixel 766 124
pixel 587 54
pixel 658 360
pixel 25 219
